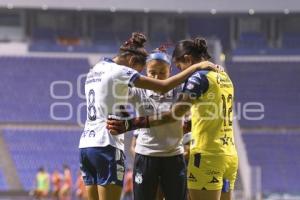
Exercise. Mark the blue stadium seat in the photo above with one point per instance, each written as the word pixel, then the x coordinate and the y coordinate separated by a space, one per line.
pixel 291 40
pixel 275 85
pixel 26 89
pixel 3 184
pixel 51 148
pixel 277 154
pixel 252 40
pixel 216 27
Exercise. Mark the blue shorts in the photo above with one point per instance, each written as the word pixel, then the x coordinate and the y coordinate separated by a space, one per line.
pixel 102 165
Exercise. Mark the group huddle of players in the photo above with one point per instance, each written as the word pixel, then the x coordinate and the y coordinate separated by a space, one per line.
pixel 120 100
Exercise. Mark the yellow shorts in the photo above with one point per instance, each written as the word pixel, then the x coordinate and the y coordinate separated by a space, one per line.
pixel 209 172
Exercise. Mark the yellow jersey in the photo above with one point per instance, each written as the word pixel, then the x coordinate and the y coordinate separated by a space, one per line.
pixel 211 113
pixel 43 182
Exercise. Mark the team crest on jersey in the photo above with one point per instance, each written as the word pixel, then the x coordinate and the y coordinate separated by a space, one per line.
pixel 138 178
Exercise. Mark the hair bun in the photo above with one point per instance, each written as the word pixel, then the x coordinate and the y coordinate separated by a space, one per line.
pixel 200 44
pixel 161 49
pixel 138 39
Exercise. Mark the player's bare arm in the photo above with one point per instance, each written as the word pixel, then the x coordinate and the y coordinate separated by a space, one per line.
pixel 178 110
pixel 164 86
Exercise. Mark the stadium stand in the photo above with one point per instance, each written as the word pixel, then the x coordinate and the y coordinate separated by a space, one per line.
pixel 252 40
pixel 275 85
pixel 266 51
pixel 106 41
pixel 49 40
pixel 291 40
pixel 32 148
pixel 255 43
pixel 25 80
pixel 276 154
pixel 220 28
pixel 3 185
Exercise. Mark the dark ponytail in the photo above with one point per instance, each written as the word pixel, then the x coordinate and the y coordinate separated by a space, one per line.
pixel 197 48
pixel 136 47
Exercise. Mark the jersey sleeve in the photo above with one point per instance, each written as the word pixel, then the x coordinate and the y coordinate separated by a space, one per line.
pixel 132 96
pixel 127 75
pixel 136 133
pixel 196 85
pixel 136 100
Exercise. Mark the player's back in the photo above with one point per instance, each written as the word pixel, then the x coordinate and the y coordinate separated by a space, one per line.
pixel 106 88
pixel 212 114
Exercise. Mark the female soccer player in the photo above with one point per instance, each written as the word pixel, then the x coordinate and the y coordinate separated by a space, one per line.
pixel 65 192
pixel 213 158
pixel 80 188
pixel 42 184
pixel 106 89
pixel 56 179
pixel 159 151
